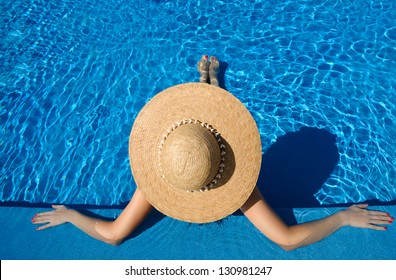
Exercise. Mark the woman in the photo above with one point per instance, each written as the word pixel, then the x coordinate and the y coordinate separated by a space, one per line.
pixel 195 154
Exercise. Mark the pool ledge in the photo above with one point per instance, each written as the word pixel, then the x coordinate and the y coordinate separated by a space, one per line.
pixel 165 238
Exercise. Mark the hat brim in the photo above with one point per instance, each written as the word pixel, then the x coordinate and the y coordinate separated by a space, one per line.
pixel 224 112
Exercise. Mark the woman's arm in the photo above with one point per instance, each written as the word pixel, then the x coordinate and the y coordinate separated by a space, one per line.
pixel 110 232
pixel 267 221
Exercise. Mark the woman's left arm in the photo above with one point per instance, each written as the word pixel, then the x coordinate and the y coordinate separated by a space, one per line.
pixel 113 232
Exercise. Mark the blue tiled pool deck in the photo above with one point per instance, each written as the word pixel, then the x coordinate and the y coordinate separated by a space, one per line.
pixel 164 238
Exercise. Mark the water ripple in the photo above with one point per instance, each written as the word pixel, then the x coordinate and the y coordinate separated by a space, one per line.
pixel 74 75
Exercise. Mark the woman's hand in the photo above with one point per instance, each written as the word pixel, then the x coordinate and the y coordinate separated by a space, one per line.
pixel 358 216
pixel 52 218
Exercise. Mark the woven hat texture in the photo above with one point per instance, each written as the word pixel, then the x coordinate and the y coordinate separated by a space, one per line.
pixel 195 152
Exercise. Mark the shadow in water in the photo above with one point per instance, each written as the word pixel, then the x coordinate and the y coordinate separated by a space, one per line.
pixel 296 166
pixel 221 75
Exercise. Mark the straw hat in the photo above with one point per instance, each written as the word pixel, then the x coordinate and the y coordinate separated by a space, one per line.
pixel 195 152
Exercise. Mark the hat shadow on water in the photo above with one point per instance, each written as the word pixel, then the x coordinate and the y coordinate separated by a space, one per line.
pixel 295 167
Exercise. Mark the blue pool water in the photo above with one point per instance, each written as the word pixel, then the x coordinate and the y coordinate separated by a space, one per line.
pixel 74 75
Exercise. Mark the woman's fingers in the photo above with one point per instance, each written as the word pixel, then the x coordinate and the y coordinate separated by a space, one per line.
pixel 43 227
pixel 39 220
pixel 50 218
pixel 379 222
pixel 360 216
pixel 48 213
pixel 376 227
pixel 378 213
pixel 378 217
pixel 42 219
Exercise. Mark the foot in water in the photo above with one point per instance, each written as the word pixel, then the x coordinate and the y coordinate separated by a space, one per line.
pixel 214 71
pixel 203 68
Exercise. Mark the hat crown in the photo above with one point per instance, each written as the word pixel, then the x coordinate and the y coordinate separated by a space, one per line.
pixel 190 157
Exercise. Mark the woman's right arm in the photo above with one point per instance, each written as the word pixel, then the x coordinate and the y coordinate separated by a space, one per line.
pixel 257 210
pixel 110 232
